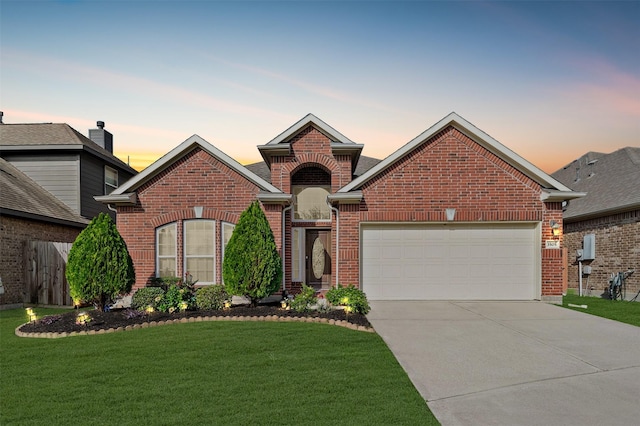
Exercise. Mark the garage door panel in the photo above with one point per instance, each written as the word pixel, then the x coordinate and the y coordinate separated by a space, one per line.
pixel 456 262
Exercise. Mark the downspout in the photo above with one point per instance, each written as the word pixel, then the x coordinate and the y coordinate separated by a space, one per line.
pixel 284 246
pixel 337 239
pixel 111 208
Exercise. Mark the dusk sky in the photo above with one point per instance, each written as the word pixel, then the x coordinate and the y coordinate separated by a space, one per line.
pixel 550 80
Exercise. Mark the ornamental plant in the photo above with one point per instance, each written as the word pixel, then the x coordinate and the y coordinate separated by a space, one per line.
pixel 252 266
pixel 147 296
pixel 211 297
pixel 176 298
pixel 303 301
pixel 353 299
pixel 99 267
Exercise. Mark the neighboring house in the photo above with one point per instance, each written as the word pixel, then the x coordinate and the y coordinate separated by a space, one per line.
pixel 453 214
pixel 610 211
pixel 71 166
pixel 28 213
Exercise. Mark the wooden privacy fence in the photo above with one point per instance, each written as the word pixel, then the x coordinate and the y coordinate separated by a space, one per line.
pixel 45 281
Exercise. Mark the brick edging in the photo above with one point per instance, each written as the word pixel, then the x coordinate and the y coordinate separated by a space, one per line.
pixel 271 318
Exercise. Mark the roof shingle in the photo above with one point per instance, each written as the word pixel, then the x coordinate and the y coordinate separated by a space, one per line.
pixel 611 182
pixel 22 196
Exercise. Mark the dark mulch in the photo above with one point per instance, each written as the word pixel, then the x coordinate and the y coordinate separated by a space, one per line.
pixel 66 322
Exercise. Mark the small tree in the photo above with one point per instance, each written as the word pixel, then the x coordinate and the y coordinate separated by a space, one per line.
pixel 252 266
pixel 99 267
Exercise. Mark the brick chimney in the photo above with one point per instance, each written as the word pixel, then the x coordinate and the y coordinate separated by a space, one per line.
pixel 102 137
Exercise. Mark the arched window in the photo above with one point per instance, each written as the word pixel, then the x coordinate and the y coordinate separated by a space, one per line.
pixel 310 187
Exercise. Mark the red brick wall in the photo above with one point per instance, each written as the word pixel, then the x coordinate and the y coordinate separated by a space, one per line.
pixel 309 163
pixel 197 179
pixel 450 171
pixel 617 250
pixel 14 233
pixel 310 148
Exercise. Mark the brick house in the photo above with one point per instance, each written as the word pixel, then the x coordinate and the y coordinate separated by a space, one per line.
pixel 453 214
pixel 610 212
pixel 28 212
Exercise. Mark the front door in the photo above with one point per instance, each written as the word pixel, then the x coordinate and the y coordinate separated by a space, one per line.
pixel 318 258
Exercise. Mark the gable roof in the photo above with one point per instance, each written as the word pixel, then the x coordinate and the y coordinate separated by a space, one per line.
pixel 610 181
pixel 281 144
pixel 53 136
pixel 125 193
pixel 553 190
pixel 23 197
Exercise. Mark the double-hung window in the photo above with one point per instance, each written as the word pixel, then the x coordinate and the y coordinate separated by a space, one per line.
pixel 199 250
pixel 166 265
pixel 110 180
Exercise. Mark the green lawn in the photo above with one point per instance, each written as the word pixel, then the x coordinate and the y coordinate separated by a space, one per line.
pixel 244 373
pixel 618 310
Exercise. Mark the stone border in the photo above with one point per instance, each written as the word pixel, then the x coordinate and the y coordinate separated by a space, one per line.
pixel 271 318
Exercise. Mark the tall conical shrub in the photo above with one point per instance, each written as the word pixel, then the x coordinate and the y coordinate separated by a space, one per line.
pixel 252 266
pixel 99 267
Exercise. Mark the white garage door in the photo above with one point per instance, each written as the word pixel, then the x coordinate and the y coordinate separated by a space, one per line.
pixel 450 262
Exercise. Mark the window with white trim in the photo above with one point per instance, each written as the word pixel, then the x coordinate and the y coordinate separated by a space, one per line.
pixel 297 254
pixel 311 203
pixel 166 265
pixel 199 250
pixel 110 180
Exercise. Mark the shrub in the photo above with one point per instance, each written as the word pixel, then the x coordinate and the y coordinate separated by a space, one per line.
pixel 303 301
pixel 353 299
pixel 147 296
pixel 164 282
pixel 176 299
pixel 99 267
pixel 252 266
pixel 211 297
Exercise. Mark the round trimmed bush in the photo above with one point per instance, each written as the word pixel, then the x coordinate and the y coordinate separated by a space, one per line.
pixel 147 296
pixel 350 297
pixel 211 297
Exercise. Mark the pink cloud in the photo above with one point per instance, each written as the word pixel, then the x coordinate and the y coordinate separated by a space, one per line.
pixel 609 87
pixel 124 82
pixel 311 88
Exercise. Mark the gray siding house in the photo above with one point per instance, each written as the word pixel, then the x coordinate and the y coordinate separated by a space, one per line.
pixel 29 213
pixel 66 163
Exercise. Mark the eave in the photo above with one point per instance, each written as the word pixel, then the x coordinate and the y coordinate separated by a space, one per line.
pixel 42 218
pixel 79 147
pixel 601 213
pixel 275 198
pixel 353 197
pixel 553 195
pixel 126 199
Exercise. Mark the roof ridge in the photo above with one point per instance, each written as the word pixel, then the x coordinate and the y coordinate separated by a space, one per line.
pixel 633 153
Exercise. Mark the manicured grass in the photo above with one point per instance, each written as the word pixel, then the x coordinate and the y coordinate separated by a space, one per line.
pixel 618 310
pixel 227 373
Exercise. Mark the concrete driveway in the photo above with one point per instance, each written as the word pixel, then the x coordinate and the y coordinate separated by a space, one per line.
pixel 515 363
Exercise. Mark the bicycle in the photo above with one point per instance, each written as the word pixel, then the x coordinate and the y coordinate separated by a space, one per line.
pixel 617 285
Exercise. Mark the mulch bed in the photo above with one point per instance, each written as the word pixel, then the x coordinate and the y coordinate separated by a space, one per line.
pixel 66 322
